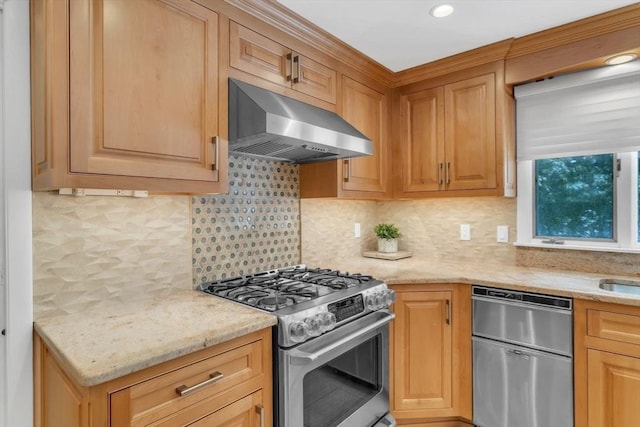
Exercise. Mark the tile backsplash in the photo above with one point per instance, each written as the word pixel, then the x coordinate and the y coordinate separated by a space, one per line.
pixel 87 250
pixel 428 227
pixel 91 249
pixel 255 227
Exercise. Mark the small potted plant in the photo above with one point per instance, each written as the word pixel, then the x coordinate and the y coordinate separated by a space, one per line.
pixel 387 237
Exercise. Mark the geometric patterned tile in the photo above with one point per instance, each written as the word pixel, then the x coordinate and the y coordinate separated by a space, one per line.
pixel 256 227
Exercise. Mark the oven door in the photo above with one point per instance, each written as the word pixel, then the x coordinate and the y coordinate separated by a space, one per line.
pixel 338 379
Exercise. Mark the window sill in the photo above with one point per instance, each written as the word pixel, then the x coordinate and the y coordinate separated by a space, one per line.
pixel 579 247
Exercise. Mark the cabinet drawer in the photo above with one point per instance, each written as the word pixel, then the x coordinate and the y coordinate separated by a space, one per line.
pixel 157 398
pixel 613 326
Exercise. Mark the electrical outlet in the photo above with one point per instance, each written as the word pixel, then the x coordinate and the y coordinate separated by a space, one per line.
pixel 356 229
pixel 502 234
pixel 465 232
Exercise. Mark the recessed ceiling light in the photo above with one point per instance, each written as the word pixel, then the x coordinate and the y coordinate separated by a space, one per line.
pixel 621 59
pixel 441 10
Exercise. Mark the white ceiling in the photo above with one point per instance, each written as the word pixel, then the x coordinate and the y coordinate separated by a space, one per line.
pixel 400 34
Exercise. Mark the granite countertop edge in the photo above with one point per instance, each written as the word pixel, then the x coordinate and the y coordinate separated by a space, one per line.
pixel 92 358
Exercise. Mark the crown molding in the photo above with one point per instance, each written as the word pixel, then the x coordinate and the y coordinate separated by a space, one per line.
pixel 593 26
pixel 462 61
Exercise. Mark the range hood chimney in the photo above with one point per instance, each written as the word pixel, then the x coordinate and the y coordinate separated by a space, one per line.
pixel 267 125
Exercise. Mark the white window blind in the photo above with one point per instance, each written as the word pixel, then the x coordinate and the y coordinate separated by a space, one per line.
pixel 589 112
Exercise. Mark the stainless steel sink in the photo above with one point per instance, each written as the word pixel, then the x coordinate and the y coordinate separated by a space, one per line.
pixel 629 287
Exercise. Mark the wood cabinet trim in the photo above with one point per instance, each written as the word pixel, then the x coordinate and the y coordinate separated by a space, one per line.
pixel 604 23
pixel 453 64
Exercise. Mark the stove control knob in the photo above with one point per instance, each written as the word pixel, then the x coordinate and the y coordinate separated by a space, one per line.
pixel 389 297
pixel 327 321
pixel 299 331
pixel 371 301
pixel 313 325
pixel 380 300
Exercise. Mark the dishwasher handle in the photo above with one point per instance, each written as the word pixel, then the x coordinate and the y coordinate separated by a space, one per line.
pixel 518 353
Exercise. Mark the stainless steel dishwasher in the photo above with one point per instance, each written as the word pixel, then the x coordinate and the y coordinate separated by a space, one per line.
pixel 522 359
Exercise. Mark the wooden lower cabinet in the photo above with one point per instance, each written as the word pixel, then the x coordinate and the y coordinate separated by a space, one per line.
pixel 240 396
pixel 430 354
pixel 607 364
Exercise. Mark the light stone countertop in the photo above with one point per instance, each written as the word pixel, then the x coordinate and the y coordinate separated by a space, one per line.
pixel 420 270
pixel 111 341
pixel 107 342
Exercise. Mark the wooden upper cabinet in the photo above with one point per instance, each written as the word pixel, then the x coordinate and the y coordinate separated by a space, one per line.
pixel 470 136
pixel 366 177
pixel 143 96
pixel 455 137
pixel 422 140
pixel 260 56
pixel 366 110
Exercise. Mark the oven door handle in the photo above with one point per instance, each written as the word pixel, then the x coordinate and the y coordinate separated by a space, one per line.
pixel 300 357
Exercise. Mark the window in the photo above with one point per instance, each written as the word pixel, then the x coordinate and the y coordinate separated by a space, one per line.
pixel 578 139
pixel 582 202
pixel 574 197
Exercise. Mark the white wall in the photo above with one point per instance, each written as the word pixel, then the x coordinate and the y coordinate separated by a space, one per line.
pixel 16 393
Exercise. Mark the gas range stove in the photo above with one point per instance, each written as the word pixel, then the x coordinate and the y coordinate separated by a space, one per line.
pixel 307 301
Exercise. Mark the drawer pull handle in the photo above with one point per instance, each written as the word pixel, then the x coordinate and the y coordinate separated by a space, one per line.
pixel 183 390
pixel 260 412
pixel 440 167
pixel 518 353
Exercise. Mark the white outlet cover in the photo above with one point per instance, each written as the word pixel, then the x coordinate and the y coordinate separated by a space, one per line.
pixel 356 229
pixel 502 234
pixel 465 232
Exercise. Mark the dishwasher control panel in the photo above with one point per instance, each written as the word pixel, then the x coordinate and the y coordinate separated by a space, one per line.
pixel 525 297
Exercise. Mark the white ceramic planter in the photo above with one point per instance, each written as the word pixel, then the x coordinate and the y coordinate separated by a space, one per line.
pixel 387 245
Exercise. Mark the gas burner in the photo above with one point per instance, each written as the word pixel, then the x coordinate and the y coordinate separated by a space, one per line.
pixel 278 289
pixel 338 282
pixel 275 303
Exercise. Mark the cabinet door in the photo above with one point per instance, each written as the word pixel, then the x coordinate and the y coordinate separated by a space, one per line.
pixel 614 389
pixel 314 79
pixel 257 55
pixel 366 110
pixel 246 412
pixel 422 143
pixel 422 347
pixel 470 136
pixel 144 89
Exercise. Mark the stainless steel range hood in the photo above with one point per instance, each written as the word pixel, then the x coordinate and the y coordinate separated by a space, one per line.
pixel 267 125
